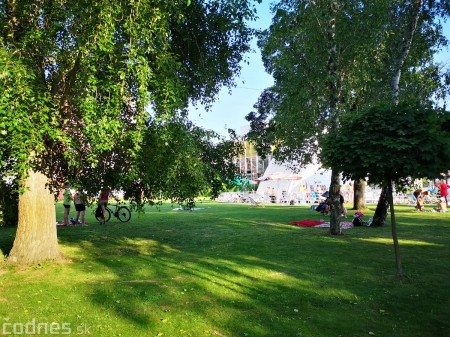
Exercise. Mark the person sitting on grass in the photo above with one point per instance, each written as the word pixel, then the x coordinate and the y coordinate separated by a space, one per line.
pixel 420 202
pixel 324 207
pixel 442 205
pixel 357 219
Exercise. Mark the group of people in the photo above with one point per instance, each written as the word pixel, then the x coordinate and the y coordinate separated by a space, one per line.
pixel 79 199
pixel 421 193
pixel 325 206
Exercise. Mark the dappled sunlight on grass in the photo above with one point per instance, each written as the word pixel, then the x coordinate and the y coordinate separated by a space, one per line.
pixel 148 247
pixel 232 270
pixel 388 241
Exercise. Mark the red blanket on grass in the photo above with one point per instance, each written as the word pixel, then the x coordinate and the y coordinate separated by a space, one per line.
pixel 307 223
pixel 319 223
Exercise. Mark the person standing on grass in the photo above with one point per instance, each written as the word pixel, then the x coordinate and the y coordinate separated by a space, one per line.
pixel 66 202
pixel 443 188
pixel 103 201
pixel 341 203
pixel 79 199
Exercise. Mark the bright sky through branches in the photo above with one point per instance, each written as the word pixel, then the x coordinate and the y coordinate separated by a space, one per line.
pixel 230 108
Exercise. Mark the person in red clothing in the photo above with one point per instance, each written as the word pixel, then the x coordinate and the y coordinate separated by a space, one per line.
pixel 103 201
pixel 443 188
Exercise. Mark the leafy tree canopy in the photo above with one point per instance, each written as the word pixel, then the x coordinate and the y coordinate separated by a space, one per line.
pixel 390 143
pixel 78 77
pixel 296 111
pixel 179 161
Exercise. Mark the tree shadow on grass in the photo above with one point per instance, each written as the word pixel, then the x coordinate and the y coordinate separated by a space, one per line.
pixel 7 239
pixel 234 278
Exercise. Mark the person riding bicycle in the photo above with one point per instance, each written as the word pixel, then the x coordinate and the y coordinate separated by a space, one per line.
pixel 103 201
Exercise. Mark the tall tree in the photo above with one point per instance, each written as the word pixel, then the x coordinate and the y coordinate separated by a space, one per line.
pixel 413 33
pixel 78 78
pixel 388 150
pixel 317 53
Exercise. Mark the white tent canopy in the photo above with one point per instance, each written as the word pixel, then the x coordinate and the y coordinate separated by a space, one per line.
pixel 281 184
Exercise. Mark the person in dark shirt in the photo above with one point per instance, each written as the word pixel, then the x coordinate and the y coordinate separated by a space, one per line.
pixel 357 219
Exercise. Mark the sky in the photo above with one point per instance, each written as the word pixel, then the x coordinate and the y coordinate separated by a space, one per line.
pixel 230 108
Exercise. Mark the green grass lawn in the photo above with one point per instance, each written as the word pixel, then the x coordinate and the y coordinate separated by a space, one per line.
pixel 233 270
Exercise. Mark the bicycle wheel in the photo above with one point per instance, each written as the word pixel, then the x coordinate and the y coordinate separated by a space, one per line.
pixel 107 216
pixel 123 214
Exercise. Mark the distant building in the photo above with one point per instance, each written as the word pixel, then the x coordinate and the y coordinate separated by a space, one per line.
pixel 250 164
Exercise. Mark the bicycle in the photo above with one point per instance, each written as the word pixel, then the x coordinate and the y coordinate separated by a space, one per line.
pixel 122 213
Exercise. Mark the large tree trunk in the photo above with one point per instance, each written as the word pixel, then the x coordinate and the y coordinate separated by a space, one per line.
pixel 398 260
pixel 379 218
pixel 359 189
pixel 335 217
pixel 36 238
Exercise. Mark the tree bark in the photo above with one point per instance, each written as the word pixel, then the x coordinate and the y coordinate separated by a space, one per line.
pixel 379 218
pixel 398 260
pixel 333 101
pixel 335 217
pixel 359 189
pixel 405 47
pixel 36 238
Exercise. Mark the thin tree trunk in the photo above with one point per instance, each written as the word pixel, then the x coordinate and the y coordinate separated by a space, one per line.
pixel 36 238
pixel 333 101
pixel 398 259
pixel 404 48
pixel 335 217
pixel 359 189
